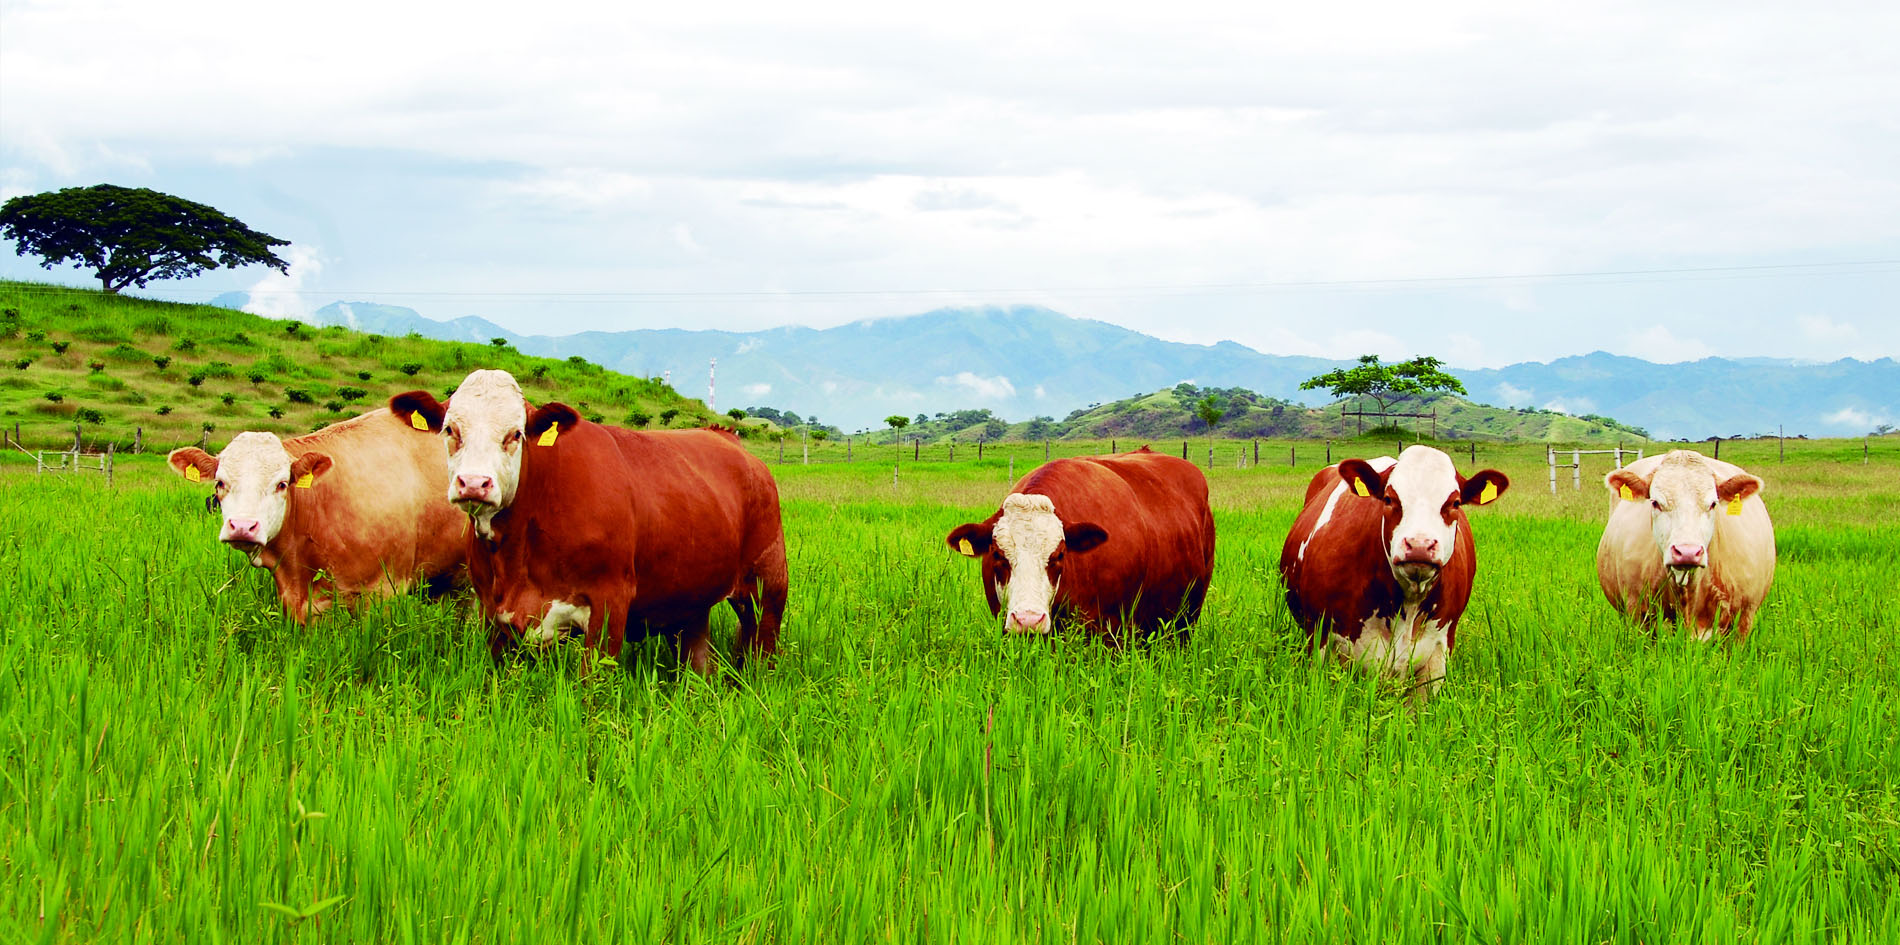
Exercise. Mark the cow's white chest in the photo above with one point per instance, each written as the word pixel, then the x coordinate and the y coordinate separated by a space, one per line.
pixel 1397 645
pixel 560 616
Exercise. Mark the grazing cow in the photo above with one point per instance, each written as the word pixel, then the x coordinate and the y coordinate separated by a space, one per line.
pixel 607 531
pixel 1380 562
pixel 353 508
pixel 1688 539
pixel 1110 543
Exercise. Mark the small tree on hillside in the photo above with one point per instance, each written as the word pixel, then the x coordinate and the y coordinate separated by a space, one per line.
pixel 1386 384
pixel 130 236
pixel 1208 409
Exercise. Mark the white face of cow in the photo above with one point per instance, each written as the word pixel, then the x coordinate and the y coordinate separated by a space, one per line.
pixel 1684 498
pixel 483 429
pixel 1422 493
pixel 252 479
pixel 1022 553
pixel 253 484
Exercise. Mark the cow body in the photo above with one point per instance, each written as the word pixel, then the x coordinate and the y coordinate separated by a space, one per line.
pixel 1120 545
pixel 353 509
pixel 1380 563
pixel 615 533
pixel 1688 539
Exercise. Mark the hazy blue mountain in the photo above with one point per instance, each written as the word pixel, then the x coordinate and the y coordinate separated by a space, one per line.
pixel 1027 361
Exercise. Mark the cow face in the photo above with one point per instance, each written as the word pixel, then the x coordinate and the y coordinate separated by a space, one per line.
pixel 1422 494
pixel 485 426
pixel 1684 497
pixel 254 480
pixel 1022 549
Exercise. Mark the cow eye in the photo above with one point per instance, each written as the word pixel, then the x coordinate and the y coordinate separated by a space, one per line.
pixel 510 439
pixel 1656 504
pixel 281 486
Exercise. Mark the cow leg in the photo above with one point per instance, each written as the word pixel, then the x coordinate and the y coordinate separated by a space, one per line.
pixel 500 641
pixel 695 644
pixel 768 593
pixel 1428 678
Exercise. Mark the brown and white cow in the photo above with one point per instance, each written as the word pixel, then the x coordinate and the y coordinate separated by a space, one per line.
pixel 1113 544
pixel 614 533
pixel 355 508
pixel 1688 539
pixel 1380 563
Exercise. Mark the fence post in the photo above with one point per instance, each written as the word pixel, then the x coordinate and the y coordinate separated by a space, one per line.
pixel 781 450
pixel 1012 469
pixel 847 449
pixel 110 447
pixel 1781 442
pixel 75 438
pixel 953 449
pixel 1292 457
pixel 1329 452
pixel 138 439
pixel 1718 447
pixel 915 446
pixel 1550 456
pixel 1576 470
pixel 1256 452
pixel 1210 456
pixel 979 447
pixel 1111 447
pixel 1474 454
pixel 1045 449
pixel 805 442
pixel 1183 449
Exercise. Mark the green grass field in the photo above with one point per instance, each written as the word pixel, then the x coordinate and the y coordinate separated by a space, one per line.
pixel 178 763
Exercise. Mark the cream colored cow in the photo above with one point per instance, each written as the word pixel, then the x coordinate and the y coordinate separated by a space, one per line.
pixel 1688 539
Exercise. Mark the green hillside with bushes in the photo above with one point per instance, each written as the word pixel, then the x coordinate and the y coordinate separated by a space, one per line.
pixel 164 374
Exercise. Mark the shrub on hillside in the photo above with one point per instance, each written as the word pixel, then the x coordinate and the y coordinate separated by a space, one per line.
pixel 362 375
pixel 153 325
pixel 256 376
pixel 228 398
pixel 276 412
pixel 334 406
pixel 162 362
pixel 220 369
pixel 196 379
pixel 185 344
pixel 639 418
pixel 165 409
pixel 540 371
pixel 298 395
pixel 240 340
pixel 95 366
pixel 410 368
pixel 347 394
pixel 36 336
pixel 54 396
pixel 667 415
pixel 89 415
pixel 104 333
pixel 59 347
pixel 290 328
pixel 23 363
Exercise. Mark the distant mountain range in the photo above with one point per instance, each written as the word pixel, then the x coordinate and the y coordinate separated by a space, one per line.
pixel 1027 361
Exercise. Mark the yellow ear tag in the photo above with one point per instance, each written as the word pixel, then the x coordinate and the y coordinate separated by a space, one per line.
pixel 306 480
pixel 1625 492
pixel 1359 486
pixel 415 420
pixel 547 436
pixel 1735 506
pixel 1489 494
pixel 191 474
pixel 963 545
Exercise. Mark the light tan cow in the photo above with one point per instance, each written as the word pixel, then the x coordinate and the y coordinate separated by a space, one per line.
pixel 1688 539
pixel 355 508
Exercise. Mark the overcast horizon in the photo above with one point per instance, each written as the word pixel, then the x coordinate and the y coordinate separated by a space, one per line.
pixel 1487 184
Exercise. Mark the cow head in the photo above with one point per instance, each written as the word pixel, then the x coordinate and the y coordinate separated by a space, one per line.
pixel 1422 493
pixel 485 426
pixel 1684 496
pixel 1022 549
pixel 254 480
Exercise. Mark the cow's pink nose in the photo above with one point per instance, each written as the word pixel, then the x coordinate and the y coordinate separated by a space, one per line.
pixel 1028 619
pixel 239 529
pixel 1418 551
pixel 473 487
pixel 1686 556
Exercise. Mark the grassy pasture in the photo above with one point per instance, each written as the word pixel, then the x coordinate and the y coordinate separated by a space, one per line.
pixel 177 763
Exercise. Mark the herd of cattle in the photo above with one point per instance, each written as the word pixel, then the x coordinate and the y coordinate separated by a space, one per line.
pixel 561 526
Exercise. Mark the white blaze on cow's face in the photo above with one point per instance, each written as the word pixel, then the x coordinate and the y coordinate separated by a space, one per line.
pixel 1684 498
pixel 1028 535
pixel 253 484
pixel 1422 493
pixel 483 429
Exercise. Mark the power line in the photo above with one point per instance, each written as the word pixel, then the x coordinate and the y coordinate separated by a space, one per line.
pixel 1593 277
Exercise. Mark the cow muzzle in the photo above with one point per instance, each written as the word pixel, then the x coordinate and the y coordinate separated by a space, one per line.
pixel 1685 561
pixel 1027 621
pixel 472 490
pixel 1416 561
pixel 244 534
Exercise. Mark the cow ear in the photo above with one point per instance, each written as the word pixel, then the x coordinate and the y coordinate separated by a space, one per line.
pixel 557 417
pixel 1361 478
pixel 1484 488
pixel 419 409
pixel 305 470
pixel 971 541
pixel 1083 536
pixel 194 464
pixel 1627 485
pixel 1737 487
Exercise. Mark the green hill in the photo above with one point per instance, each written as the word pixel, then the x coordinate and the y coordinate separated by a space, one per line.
pixel 116 366
pixel 1169 413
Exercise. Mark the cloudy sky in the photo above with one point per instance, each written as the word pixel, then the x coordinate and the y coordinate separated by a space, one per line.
pixel 1485 182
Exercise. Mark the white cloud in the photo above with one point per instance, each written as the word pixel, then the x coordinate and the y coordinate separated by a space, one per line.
pixel 757 390
pixel 1855 419
pixel 1513 396
pixel 1823 328
pixel 750 344
pixel 1574 406
pixel 1658 343
pixel 283 295
pixel 983 388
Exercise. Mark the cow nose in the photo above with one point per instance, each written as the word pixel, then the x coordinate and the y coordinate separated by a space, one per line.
pixel 473 487
pixel 1418 551
pixel 1028 620
pixel 1686 555
pixel 240 529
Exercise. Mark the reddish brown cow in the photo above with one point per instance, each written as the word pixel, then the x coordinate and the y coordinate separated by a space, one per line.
pixel 1380 562
pixel 616 533
pixel 1112 543
pixel 355 508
